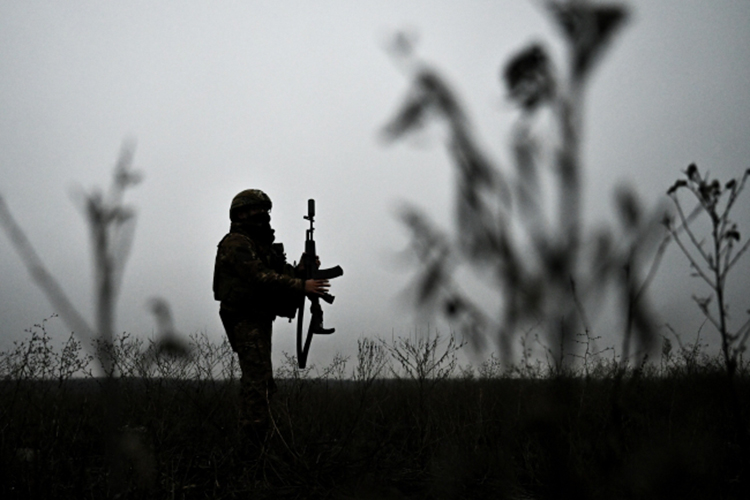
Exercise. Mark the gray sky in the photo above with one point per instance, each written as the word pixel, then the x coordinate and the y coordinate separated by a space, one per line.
pixel 290 97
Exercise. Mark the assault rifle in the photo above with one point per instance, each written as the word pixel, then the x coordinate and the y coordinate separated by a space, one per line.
pixel 311 271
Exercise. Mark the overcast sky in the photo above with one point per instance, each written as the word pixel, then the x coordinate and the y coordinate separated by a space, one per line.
pixel 290 97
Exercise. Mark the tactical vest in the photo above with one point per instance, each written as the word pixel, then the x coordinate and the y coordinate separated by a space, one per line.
pixel 238 295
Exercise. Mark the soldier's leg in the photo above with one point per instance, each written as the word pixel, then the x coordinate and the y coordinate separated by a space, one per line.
pixel 252 342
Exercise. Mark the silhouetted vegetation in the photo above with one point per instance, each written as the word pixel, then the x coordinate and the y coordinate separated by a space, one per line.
pixel 343 431
pixel 111 225
pixel 519 227
pixel 712 259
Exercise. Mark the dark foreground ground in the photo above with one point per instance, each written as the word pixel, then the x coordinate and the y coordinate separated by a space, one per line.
pixel 499 438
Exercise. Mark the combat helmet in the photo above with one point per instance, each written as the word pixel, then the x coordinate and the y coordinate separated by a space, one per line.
pixel 250 198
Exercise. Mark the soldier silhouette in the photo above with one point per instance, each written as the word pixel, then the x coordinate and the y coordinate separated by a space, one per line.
pixel 254 284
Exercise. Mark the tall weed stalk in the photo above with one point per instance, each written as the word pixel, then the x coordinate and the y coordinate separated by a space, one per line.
pixel 529 242
pixel 712 258
pixel 111 225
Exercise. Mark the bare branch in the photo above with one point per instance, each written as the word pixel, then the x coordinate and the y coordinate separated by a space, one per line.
pixel 43 278
pixel 737 256
pixel 686 227
pixel 693 263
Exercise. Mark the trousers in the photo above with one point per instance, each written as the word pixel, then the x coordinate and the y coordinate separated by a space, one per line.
pixel 250 338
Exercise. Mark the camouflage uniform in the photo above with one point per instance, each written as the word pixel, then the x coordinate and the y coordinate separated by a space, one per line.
pixel 255 284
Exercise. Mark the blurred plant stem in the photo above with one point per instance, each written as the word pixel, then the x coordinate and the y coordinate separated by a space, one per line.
pixel 111 226
pixel 530 243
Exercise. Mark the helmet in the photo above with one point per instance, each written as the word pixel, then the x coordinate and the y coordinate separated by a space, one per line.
pixel 250 198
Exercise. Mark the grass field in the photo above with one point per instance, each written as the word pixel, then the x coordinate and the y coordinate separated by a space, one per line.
pixel 662 431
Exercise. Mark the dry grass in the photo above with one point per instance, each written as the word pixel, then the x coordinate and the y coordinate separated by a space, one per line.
pixel 666 430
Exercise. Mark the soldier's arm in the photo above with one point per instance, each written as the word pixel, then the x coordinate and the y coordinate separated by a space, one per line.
pixel 255 273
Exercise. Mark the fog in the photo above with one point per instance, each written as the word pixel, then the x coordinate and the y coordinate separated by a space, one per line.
pixel 290 98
